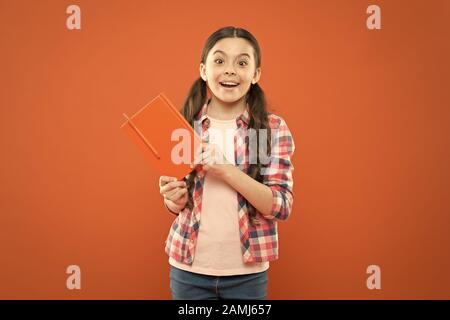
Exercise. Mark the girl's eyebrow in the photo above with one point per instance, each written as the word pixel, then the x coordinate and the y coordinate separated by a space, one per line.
pixel 242 54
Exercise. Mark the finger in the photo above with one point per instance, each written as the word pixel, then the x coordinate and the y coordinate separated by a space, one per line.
pixel 166 179
pixel 169 195
pixel 171 185
pixel 210 162
pixel 180 183
pixel 208 148
pixel 206 159
pixel 211 150
pixel 205 147
pixel 172 203
pixel 198 158
pixel 202 154
pixel 180 193
pixel 198 149
pixel 173 195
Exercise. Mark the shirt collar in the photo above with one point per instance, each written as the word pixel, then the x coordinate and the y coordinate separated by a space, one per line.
pixel 244 116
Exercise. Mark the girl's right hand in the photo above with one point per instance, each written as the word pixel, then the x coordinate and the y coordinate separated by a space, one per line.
pixel 174 192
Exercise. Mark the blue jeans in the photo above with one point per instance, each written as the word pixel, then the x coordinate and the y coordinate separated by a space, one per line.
pixel 187 285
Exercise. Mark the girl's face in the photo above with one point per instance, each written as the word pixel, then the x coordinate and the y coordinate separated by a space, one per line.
pixel 232 61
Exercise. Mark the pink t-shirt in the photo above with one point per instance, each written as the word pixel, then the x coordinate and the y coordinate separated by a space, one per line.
pixel 218 249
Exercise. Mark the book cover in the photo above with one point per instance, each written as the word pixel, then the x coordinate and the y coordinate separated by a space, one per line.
pixel 163 136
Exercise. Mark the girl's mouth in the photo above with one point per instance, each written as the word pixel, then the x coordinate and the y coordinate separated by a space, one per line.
pixel 229 85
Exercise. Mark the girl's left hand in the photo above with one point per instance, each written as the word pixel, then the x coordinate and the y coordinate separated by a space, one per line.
pixel 213 160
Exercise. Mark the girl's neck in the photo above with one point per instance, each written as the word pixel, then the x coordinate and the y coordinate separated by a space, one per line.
pixel 225 111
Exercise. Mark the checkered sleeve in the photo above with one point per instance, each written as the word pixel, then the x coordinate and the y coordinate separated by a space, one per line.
pixel 278 172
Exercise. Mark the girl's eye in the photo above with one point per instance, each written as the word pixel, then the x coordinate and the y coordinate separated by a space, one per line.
pixel 244 62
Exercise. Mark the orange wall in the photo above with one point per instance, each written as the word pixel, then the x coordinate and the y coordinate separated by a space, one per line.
pixel 369 111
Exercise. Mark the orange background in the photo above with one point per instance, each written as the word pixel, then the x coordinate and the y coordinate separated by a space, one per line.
pixel 369 111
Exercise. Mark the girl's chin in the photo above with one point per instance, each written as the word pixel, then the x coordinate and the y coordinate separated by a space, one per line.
pixel 228 96
pixel 229 93
pixel 228 99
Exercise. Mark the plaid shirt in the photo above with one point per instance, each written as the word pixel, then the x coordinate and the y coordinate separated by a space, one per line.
pixel 258 243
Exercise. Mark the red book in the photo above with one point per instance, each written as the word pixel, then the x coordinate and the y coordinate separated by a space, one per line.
pixel 164 137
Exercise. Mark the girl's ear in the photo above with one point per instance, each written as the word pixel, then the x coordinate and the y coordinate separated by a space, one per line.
pixel 257 75
pixel 202 71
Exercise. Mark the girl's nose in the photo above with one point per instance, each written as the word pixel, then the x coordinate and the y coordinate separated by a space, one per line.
pixel 229 69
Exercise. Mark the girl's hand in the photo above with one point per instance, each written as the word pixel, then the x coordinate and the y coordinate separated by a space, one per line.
pixel 174 192
pixel 213 160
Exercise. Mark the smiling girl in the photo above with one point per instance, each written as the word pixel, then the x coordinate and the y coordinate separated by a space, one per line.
pixel 225 233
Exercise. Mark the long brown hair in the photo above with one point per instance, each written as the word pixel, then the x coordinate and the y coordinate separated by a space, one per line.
pixel 255 98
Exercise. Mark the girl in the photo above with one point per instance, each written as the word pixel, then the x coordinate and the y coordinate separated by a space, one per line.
pixel 227 208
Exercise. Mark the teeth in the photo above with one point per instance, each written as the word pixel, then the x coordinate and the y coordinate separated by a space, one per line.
pixel 230 83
